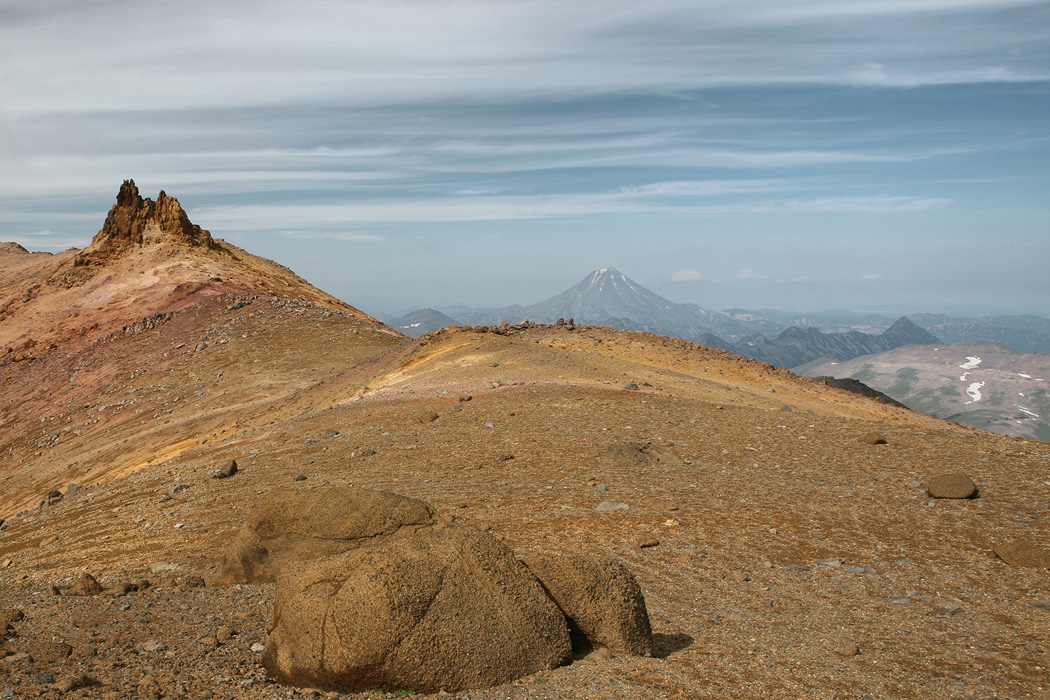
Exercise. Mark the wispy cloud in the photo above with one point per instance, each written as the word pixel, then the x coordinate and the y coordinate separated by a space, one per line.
pixel 520 207
pixel 687 276
pixel 381 52
pixel 350 236
pixel 879 204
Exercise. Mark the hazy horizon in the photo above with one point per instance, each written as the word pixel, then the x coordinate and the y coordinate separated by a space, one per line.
pixel 804 156
pixel 392 307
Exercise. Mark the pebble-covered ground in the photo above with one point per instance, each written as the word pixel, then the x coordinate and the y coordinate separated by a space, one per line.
pixel 784 556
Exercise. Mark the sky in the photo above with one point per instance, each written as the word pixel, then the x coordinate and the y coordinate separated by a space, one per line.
pixel 874 155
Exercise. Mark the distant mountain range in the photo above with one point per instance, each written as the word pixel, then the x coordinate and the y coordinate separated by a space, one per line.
pixel 796 346
pixel 607 297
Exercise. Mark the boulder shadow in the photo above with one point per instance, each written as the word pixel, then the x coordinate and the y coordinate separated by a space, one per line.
pixel 666 644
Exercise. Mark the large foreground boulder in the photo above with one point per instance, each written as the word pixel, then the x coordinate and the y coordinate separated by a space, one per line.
pixel 448 608
pixel 601 599
pixel 377 591
pixel 293 525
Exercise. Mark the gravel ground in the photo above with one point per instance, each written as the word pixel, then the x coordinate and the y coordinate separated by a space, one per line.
pixel 784 556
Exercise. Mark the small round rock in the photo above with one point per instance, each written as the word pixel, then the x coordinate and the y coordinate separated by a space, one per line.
pixel 873 439
pixel 955 485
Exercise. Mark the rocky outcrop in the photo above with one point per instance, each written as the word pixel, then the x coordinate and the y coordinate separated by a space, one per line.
pixel 955 485
pixel 1022 553
pixel 135 222
pixel 12 248
pixel 856 387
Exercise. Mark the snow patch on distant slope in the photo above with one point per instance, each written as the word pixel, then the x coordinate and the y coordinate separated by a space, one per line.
pixel 972 363
pixel 974 392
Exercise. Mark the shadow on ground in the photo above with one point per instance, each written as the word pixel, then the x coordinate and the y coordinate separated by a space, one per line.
pixel 666 644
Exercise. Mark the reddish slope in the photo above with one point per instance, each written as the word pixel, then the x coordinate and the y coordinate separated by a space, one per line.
pixel 104 367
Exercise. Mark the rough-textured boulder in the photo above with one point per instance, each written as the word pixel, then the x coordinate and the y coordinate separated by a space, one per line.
pixel 293 525
pixel 228 469
pixel 85 585
pixel 448 607
pixel 638 454
pixel 1021 553
pixel 601 599
pixel 377 591
pixel 956 485
pixel 9 615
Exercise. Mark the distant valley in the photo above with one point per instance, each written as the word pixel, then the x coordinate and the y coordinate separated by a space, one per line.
pixel 981 385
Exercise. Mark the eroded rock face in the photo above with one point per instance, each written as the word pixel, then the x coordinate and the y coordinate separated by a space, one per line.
pixel 448 608
pixel 134 221
pixel 294 525
pixel 601 599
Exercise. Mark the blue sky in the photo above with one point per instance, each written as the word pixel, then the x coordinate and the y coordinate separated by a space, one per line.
pixel 874 155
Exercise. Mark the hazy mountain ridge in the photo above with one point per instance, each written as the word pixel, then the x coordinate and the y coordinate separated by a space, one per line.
pixel 607 297
pixel 1027 333
pixel 797 346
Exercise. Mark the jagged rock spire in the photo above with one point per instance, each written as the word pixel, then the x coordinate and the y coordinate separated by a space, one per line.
pixel 135 222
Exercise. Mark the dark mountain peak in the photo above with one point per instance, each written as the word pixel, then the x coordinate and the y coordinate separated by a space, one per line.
pixel 905 332
pixel 797 333
pixel 136 222
pixel 421 321
pixel 902 323
pixel 753 339
pixel 604 294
